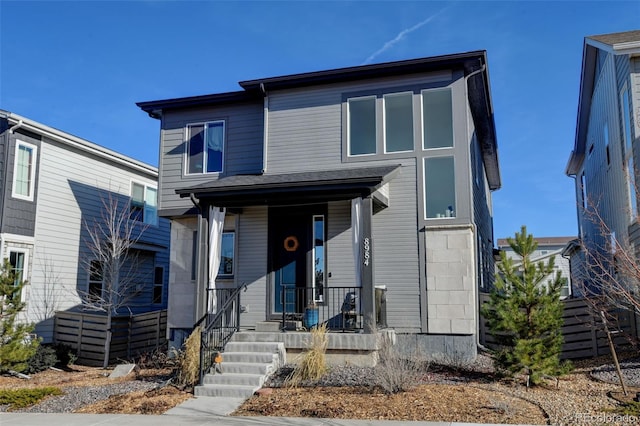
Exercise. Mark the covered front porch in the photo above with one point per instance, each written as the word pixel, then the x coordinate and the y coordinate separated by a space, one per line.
pixel 299 292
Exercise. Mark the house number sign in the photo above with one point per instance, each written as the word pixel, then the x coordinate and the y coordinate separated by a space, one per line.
pixel 367 251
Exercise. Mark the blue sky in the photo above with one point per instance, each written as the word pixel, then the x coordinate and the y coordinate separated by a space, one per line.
pixel 80 66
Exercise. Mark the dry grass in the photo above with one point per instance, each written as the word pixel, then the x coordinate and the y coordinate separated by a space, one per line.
pixel 189 361
pixel 312 365
pixel 155 401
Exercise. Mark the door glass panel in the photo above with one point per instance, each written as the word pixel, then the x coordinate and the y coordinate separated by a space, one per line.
pixel 319 258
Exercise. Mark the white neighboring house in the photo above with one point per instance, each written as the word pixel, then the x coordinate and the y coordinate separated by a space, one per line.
pixel 52 183
pixel 547 248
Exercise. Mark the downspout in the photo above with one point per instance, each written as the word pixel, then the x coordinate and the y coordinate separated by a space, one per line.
pixel 265 128
pixel 15 127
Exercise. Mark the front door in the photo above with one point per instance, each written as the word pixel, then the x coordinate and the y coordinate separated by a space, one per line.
pixel 289 243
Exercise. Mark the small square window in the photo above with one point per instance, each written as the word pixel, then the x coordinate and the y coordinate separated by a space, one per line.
pixel 158 284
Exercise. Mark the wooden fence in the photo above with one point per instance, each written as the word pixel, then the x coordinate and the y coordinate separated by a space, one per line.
pixel 582 330
pixel 130 335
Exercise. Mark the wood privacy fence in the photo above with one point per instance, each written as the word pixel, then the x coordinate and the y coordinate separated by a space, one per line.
pixel 582 330
pixel 130 335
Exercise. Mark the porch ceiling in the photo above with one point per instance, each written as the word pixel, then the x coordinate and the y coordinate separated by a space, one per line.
pixel 302 187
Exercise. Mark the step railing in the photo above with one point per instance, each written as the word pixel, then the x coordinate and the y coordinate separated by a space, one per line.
pixel 340 308
pixel 218 328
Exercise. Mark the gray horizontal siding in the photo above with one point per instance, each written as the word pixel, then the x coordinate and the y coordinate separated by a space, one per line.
pixel 305 125
pixel 243 149
pixel 19 216
pixel 252 263
pixel 71 190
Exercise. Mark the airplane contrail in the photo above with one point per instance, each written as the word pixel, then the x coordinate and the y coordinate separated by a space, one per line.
pixel 388 45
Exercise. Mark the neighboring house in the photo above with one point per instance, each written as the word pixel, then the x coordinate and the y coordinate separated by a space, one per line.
pixel 52 184
pixel 604 161
pixel 389 164
pixel 547 247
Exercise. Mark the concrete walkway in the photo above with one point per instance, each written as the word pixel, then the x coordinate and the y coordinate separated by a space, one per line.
pixel 195 412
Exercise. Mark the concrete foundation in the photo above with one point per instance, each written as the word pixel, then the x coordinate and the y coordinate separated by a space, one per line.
pixel 448 349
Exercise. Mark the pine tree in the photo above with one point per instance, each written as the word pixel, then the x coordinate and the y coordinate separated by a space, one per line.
pixel 15 346
pixel 525 313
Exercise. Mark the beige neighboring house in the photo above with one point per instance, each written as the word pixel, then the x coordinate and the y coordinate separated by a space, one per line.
pixel 547 248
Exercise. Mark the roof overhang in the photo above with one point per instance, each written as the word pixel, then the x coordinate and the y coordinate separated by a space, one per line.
pixel 627 43
pixel 292 188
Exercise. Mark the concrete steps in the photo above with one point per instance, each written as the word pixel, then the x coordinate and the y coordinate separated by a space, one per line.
pixel 245 367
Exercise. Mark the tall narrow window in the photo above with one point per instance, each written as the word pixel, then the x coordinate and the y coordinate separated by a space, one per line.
pixel 318 258
pixel 437 118
pixel 628 153
pixel 583 190
pixel 226 256
pixel 17 260
pixel 144 204
pixel 398 122
pixel 205 147
pixel 362 126
pixel 158 284
pixel 24 171
pixel 96 275
pixel 440 187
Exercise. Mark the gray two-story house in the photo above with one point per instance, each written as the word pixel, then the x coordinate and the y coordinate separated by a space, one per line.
pixel 55 187
pixel 352 191
pixel 604 161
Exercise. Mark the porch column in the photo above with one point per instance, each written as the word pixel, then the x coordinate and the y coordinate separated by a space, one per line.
pixel 367 275
pixel 201 266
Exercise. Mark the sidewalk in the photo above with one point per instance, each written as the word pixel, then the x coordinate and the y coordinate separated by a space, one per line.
pixel 196 411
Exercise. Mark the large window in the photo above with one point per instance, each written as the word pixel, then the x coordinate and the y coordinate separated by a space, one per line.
pixel 437 118
pixel 205 147
pixel 226 256
pixel 24 171
pixel 398 122
pixel 144 204
pixel 440 187
pixel 362 126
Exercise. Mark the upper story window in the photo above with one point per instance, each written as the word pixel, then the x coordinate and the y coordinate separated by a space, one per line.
pixel 362 125
pixel 439 187
pixel 24 171
pixel 205 147
pixel 398 122
pixel 437 118
pixel 144 204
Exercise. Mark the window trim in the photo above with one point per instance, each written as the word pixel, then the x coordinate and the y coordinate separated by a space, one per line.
pixel 25 267
pixel 145 187
pixel 204 159
pixel 32 173
pixel 384 121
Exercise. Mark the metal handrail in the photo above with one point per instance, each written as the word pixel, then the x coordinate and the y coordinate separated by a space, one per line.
pixel 218 329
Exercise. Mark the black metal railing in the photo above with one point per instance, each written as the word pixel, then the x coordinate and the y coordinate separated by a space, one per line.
pixel 218 328
pixel 340 308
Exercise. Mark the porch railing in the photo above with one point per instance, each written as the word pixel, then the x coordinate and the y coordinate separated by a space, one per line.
pixel 340 308
pixel 218 328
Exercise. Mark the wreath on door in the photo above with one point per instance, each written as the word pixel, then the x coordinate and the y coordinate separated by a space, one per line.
pixel 291 243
